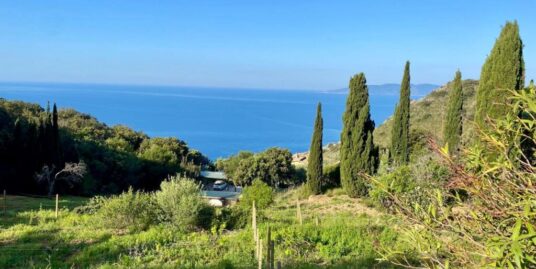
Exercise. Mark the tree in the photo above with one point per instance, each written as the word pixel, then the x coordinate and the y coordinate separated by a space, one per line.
pixel 503 71
pixel 314 166
pixel 273 166
pixel 400 148
pixel 56 147
pixel 452 129
pixel 71 173
pixel 358 153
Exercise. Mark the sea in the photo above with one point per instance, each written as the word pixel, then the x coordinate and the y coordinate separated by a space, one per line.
pixel 218 122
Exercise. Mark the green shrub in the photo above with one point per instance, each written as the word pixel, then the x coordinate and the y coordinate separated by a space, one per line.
pixel 260 192
pixel 129 210
pixel 180 202
pixel 332 176
pixel 398 182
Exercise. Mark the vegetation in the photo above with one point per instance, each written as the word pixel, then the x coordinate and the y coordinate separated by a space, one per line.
pixel 400 136
pixel 273 166
pixel 358 153
pixel 180 202
pixel 452 129
pixel 260 193
pixel 37 143
pixel 315 162
pixel 428 208
pixel 503 72
pixel 344 237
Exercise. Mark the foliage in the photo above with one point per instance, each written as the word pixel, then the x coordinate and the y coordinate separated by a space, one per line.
pixel 400 147
pixel 332 176
pixel 180 202
pixel 259 192
pixel 230 164
pixel 273 166
pixel 498 222
pixel 503 71
pixel 452 127
pixel 314 162
pixel 399 182
pixel 129 210
pixel 358 154
pixel 116 157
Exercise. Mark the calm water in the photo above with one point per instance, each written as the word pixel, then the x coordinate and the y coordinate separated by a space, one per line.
pixel 218 122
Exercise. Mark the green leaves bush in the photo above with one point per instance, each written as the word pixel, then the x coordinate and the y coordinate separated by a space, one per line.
pixel 259 192
pixel 129 210
pixel 180 202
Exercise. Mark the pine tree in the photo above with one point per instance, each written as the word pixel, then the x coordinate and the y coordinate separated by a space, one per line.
pixel 400 148
pixel 358 153
pixel 503 71
pixel 452 129
pixel 314 166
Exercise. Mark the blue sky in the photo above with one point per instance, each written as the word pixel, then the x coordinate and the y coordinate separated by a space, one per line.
pixel 253 44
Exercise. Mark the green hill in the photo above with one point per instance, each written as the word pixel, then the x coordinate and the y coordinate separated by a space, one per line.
pixel 428 113
pixel 426 120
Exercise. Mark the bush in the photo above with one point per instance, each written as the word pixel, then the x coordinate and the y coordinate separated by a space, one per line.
pixel 129 210
pixel 259 192
pixel 332 176
pixel 180 202
pixel 398 182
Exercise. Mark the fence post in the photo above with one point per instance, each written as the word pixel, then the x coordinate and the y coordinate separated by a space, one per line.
pixel 268 247
pixel 272 247
pixel 278 264
pixel 57 199
pixel 259 259
pixel 254 221
pixel 298 212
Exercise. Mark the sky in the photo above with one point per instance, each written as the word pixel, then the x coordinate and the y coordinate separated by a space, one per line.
pixel 274 44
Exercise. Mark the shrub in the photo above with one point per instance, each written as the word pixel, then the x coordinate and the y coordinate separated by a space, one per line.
pixel 332 176
pixel 129 210
pixel 398 182
pixel 180 202
pixel 259 192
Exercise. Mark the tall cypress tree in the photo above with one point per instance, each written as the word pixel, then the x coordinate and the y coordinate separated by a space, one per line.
pixel 358 153
pixel 314 166
pixel 400 148
pixel 503 71
pixel 452 128
pixel 55 137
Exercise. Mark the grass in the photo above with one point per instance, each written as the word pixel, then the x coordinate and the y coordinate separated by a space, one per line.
pixel 348 235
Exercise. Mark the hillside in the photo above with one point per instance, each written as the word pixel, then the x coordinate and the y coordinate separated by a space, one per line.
pixel 114 157
pixel 427 116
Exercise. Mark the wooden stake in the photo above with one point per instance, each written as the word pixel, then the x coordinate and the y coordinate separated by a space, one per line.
pixel 259 259
pixel 254 222
pixel 278 264
pixel 57 202
pixel 268 247
pixel 298 212
pixel 317 221
pixel 272 246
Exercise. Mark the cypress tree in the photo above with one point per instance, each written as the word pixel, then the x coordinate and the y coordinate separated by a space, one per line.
pixel 314 166
pixel 452 128
pixel 503 71
pixel 400 132
pixel 55 137
pixel 358 153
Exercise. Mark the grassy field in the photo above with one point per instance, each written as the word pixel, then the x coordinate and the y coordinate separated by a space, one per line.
pixel 337 232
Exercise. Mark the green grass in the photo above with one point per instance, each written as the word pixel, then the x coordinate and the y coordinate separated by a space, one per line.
pixel 348 235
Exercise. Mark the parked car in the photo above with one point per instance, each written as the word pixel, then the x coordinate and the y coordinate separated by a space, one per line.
pixel 219 185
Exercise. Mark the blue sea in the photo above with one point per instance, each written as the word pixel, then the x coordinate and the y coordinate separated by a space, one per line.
pixel 216 121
